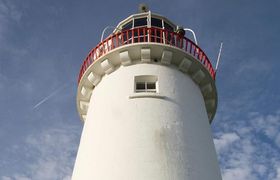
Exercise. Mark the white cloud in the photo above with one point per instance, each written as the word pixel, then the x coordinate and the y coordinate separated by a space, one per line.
pixel 21 177
pixel 268 125
pixel 277 140
pixel 52 154
pixel 277 173
pixel 236 159
pixel 6 178
pixel 260 124
pixel 252 151
pixel 252 64
pixel 237 173
pixel 15 177
pixel 55 161
pixel 260 169
pixel 225 140
pixel 9 10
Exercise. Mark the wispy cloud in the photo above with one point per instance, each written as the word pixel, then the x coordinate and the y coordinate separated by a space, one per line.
pixel 8 12
pixel 225 140
pixel 53 155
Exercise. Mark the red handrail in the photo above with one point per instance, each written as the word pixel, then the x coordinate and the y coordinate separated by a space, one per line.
pixel 144 34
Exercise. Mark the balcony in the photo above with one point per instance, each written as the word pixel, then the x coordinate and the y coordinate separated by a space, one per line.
pixel 147 35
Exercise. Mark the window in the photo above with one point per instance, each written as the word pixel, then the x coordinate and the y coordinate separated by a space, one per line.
pixel 140 86
pixel 140 22
pixel 168 27
pixel 127 26
pixel 146 83
pixel 156 22
pixel 145 87
pixel 168 35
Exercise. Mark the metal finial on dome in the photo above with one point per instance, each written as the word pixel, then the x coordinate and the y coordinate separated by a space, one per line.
pixel 143 8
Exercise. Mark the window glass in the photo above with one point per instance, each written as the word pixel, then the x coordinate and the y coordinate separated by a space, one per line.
pixel 146 83
pixel 140 22
pixel 151 85
pixel 127 26
pixel 145 87
pixel 156 22
pixel 168 27
pixel 140 86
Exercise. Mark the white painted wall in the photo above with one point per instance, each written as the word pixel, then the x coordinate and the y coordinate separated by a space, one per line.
pixel 146 138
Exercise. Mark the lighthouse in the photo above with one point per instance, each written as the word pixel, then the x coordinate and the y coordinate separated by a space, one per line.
pixel 147 96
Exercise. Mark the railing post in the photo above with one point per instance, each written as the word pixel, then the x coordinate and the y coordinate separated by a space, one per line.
pixel 163 36
pixel 132 36
pixel 117 40
pixel 127 37
pixel 122 36
pixel 181 41
pixel 112 40
pixel 145 34
pixel 186 45
pixel 149 34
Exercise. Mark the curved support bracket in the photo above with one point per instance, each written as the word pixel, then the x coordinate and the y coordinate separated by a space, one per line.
pixel 194 36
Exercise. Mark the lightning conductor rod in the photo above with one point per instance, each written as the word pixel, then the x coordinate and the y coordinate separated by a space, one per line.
pixel 219 56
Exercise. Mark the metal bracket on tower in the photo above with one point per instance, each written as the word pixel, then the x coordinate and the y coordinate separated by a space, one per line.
pixel 146 55
pixel 166 57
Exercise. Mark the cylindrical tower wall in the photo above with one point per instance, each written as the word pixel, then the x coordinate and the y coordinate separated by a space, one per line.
pixel 160 136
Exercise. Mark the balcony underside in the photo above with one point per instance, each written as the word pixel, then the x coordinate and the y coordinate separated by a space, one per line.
pixel 154 53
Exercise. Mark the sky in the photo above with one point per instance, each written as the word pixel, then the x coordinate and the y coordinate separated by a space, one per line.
pixel 43 44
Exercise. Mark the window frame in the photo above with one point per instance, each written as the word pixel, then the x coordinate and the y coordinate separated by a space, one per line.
pixel 157 19
pixel 143 25
pixel 148 81
pixel 146 87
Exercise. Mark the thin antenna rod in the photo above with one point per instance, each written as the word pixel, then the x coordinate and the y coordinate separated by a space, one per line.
pixel 219 55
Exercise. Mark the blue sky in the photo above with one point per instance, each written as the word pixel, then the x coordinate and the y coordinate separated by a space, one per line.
pixel 43 43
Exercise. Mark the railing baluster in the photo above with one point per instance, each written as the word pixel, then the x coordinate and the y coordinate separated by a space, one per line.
pixel 138 34
pixel 112 41
pixel 132 36
pixel 83 67
pixel 181 42
pixel 122 36
pixel 155 35
pixel 127 39
pixel 172 38
pixel 102 49
pixel 117 40
pixel 161 36
pixel 149 34
pixel 106 46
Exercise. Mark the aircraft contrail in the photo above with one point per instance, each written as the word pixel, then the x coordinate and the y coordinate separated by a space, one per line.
pixel 49 96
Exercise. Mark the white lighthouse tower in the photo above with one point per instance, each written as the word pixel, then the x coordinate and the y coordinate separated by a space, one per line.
pixel 147 96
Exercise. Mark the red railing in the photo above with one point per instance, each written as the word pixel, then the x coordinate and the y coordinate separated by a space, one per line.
pixel 144 34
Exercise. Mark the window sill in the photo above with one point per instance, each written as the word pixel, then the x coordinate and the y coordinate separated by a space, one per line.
pixel 146 95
